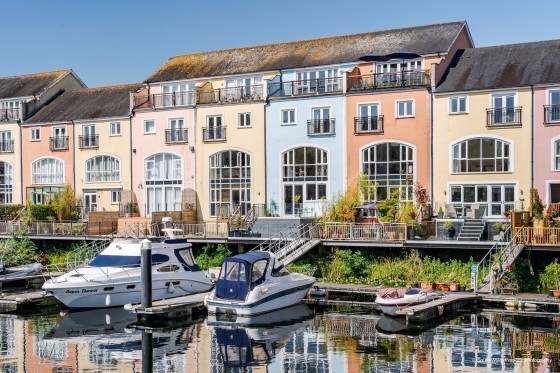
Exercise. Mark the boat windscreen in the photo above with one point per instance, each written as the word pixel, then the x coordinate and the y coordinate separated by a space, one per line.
pixel 115 261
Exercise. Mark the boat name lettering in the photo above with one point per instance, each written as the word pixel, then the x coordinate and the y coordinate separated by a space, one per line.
pixel 83 291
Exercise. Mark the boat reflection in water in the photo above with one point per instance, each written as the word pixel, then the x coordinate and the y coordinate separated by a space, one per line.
pixel 254 340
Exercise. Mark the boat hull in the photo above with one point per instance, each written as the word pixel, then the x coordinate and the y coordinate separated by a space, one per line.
pixel 115 294
pixel 274 300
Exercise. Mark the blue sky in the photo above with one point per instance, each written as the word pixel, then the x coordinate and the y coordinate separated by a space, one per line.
pixel 110 42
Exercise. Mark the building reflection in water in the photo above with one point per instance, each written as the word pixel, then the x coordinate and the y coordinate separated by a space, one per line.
pixel 292 340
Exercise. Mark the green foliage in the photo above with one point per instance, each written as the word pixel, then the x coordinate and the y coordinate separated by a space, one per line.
pixel 41 212
pixel 537 206
pixel 388 209
pixel 524 275
pixel 212 256
pixel 501 225
pixel 354 267
pixel 9 212
pixel 550 277
pixel 65 203
pixel 18 250
pixel 342 207
pixel 407 214
pixel 447 224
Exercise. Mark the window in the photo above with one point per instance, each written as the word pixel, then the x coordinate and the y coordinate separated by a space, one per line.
pixel 230 182
pixel 35 134
pixel 89 139
pixel 552 111
pixel 48 171
pixel 481 155
pixel 503 111
pixel 6 183
pixel 304 174
pixel 6 142
pixel 176 95
pixel 115 128
pixel 405 109
pixel 102 168
pixel 288 116
pixel 457 104
pixel 163 176
pixel 150 126
pixel 177 131
pixel 115 197
pixel 214 129
pixel 369 119
pixel 244 120
pixel 59 139
pixel 390 166
pixel 557 155
pixel 319 81
pixel 9 110
pixel 321 122
pixel 493 199
pixel 243 88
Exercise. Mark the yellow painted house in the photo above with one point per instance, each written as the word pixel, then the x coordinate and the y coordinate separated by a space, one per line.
pixel 482 127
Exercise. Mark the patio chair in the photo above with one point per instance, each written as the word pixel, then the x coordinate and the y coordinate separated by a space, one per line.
pixel 474 212
pixel 450 211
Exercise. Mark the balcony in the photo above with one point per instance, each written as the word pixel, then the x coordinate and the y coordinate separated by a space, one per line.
pixel 305 87
pixel 7 146
pixel 176 136
pixel 210 134
pixel 89 142
pixel 10 114
pixel 364 125
pixel 318 127
pixel 405 78
pixel 230 94
pixel 164 100
pixel 503 117
pixel 59 143
pixel 552 114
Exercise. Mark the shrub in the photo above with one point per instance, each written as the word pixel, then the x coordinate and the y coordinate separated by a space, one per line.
pixel 41 212
pixel 212 256
pixel 550 277
pixel 65 203
pixel 18 250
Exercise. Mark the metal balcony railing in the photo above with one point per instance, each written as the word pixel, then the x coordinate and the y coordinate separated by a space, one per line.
pixel 59 143
pixel 368 124
pixel 503 117
pixel 316 127
pixel 552 114
pixel 214 133
pixel 164 100
pixel 9 114
pixel 89 141
pixel 397 79
pixel 230 94
pixel 305 87
pixel 176 136
pixel 7 146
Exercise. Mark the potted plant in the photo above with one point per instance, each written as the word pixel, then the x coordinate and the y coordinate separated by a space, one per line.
pixel 450 228
pixel 297 204
pixel 440 213
pixel 550 278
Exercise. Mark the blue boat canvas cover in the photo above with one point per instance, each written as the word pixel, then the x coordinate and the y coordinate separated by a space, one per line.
pixel 234 282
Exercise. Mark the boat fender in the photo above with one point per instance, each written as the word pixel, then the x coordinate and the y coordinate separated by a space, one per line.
pixel 108 300
pixel 264 291
pixel 171 288
pixel 107 319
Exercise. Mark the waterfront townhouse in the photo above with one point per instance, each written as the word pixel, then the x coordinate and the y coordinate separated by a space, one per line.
pixel 546 119
pixel 81 139
pixel 325 91
pixel 388 107
pixel 483 129
pixel 20 97
pixel 216 111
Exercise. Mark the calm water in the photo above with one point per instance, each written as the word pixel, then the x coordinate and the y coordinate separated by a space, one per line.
pixel 298 339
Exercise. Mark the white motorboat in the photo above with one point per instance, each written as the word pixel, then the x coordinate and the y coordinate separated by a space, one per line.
pixel 390 300
pixel 112 278
pixel 255 283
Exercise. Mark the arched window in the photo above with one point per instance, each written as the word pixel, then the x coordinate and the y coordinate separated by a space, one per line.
pixel 481 154
pixel 557 155
pixel 48 171
pixel 6 183
pixel 163 174
pixel 304 176
pixel 390 166
pixel 230 182
pixel 103 168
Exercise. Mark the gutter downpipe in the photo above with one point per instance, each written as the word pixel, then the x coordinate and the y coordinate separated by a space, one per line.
pixel 74 155
pixel 532 136
pixel 130 116
pixel 21 188
pixel 266 103
pixel 432 88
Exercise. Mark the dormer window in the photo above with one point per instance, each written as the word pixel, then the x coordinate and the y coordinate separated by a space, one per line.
pixel 176 95
pixel 9 110
pixel 318 81
pixel 244 88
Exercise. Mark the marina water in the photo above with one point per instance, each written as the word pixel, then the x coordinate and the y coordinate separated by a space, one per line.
pixel 298 339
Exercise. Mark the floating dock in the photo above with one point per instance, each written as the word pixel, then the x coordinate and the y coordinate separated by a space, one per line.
pixel 168 309
pixel 26 298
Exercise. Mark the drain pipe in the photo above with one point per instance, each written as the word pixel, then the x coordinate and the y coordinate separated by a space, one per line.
pixel 532 136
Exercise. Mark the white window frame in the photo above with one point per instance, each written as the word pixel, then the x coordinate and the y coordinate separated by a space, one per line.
pixel 56 177
pixel 144 126
pixel 289 123
pixel 35 134
pixel 458 98
pixel 242 120
pixel 553 154
pixel 413 108
pixel 93 175
pixel 505 140
pixel 116 196
pixel 115 125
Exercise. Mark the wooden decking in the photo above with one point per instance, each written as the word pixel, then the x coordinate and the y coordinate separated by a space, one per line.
pixel 170 308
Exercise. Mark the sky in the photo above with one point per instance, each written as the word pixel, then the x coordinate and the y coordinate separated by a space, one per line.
pixel 108 42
